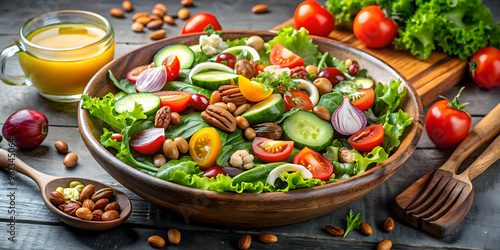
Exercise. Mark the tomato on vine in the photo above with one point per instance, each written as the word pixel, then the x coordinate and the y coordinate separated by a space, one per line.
pixel 447 123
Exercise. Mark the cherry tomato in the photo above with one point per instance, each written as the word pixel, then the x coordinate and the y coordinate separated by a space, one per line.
pixel 117 136
pixel 373 28
pixel 204 147
pixel 446 123
pixel 148 141
pixel 213 172
pixel 353 69
pixel 301 99
pixel 199 22
pixel 368 138
pixel 229 58
pixel 232 171
pixel 252 90
pixel 269 150
pixel 176 100
pixel 484 67
pixel 320 167
pixel 363 98
pixel 134 73
pixel 284 57
pixel 173 67
pixel 333 75
pixel 198 102
pixel 316 19
pixel 259 68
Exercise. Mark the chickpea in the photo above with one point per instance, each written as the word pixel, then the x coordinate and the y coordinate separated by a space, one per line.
pixel 255 42
pixel 170 149
pixel 311 69
pixel 159 160
pixel 242 122
pixel 324 85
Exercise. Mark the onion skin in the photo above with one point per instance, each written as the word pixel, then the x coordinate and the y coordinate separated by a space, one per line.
pixel 26 128
pixel 348 127
pixel 151 80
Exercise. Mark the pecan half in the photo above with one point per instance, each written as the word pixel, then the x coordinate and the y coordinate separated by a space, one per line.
pixel 232 93
pixel 219 117
pixel 245 68
pixel 162 118
pixel 299 72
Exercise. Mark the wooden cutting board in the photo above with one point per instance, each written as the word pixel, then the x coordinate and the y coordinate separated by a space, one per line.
pixel 430 78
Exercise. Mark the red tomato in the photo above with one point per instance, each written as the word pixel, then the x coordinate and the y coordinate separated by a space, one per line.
pixel 213 172
pixel 373 28
pixel 363 99
pixel 199 22
pixel 447 124
pixel 176 100
pixel 198 102
pixel 333 75
pixel 229 58
pixel 320 167
pixel 117 136
pixel 134 73
pixel 368 138
pixel 173 67
pixel 302 99
pixel 316 19
pixel 148 141
pixel 484 67
pixel 284 57
pixel 269 150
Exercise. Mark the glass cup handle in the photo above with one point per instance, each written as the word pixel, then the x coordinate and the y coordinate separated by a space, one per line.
pixel 4 56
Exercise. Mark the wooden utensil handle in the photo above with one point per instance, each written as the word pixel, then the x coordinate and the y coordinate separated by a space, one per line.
pixel 484 131
pixel 485 160
pixel 11 162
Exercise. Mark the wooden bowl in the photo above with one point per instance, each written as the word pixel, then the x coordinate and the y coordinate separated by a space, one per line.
pixel 247 209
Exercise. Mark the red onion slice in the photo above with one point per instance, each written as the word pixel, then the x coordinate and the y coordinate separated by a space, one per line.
pixel 151 80
pixel 348 119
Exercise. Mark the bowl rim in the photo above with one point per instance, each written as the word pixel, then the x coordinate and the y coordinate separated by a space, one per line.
pixel 389 165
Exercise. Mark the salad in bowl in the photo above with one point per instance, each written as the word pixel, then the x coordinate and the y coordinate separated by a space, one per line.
pixel 251 116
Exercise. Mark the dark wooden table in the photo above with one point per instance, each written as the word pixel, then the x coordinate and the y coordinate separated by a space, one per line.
pixel 37 228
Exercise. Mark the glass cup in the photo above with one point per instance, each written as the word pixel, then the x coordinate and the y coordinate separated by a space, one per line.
pixel 59 53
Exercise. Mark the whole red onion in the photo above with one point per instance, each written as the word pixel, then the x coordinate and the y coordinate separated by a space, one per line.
pixel 26 128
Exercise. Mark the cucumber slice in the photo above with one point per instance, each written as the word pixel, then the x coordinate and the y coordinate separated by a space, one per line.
pixel 237 50
pixel 184 53
pixel 208 66
pixel 308 130
pixel 120 95
pixel 149 101
pixel 267 110
pixel 212 80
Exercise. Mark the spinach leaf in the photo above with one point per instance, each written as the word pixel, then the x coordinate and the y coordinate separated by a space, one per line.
pixel 331 101
pixel 123 84
pixel 190 124
pixel 188 87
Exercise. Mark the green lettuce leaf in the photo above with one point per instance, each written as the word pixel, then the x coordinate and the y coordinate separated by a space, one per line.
pixel 298 42
pixel 375 157
pixel 124 84
pixel 394 126
pixel 387 97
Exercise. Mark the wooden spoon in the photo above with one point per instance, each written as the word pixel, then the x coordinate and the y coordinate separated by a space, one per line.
pixel 48 183
pixel 420 204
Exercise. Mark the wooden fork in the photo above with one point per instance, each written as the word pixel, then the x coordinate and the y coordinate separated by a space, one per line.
pixel 438 202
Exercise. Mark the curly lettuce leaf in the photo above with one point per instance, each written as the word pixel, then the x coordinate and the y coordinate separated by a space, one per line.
pixel 394 126
pixel 373 158
pixel 388 97
pixel 297 41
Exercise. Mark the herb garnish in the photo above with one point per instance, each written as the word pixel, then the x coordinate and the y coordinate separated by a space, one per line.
pixel 270 81
pixel 352 222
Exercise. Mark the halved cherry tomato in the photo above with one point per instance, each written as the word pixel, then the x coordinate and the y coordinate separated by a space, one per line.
pixel 298 97
pixel 269 150
pixel 259 68
pixel 320 167
pixel 213 172
pixel 368 138
pixel 284 57
pixel 204 147
pixel 173 67
pixel 176 100
pixel 316 19
pixel 252 90
pixel 199 22
pixel 148 141
pixel 134 73
pixel 363 99
pixel 333 75
pixel 229 58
